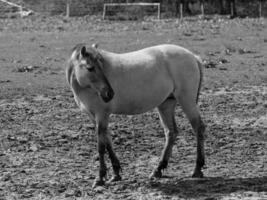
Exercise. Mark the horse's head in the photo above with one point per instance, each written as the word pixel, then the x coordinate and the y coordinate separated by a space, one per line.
pixel 88 66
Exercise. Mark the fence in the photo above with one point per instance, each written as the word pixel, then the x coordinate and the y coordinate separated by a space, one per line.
pixel 168 8
pixel 136 10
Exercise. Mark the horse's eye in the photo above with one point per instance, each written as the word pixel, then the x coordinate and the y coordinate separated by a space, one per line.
pixel 90 69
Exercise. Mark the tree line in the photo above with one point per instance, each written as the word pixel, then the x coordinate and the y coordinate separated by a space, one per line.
pixel 221 6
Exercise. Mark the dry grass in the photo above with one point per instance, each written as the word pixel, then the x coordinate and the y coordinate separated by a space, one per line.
pixel 48 148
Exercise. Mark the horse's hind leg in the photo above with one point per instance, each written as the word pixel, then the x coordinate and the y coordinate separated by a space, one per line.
pixel 166 112
pixel 190 108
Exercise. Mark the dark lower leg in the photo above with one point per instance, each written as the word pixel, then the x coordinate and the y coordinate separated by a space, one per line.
pixel 166 111
pixel 99 181
pixel 115 163
pixel 200 161
pixel 166 153
pixel 163 163
pixel 101 128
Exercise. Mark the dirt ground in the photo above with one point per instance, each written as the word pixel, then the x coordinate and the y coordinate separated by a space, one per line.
pixel 48 147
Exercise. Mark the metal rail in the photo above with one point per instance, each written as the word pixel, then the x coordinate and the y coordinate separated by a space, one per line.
pixel 12 4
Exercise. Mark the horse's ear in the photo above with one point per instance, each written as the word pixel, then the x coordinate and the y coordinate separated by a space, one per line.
pixel 83 51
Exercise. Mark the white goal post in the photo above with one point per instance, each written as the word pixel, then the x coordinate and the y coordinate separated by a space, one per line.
pixel 130 4
pixel 22 11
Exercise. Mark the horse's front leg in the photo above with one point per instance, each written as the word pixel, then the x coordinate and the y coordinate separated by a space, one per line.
pixel 103 144
pixel 101 147
pixel 114 159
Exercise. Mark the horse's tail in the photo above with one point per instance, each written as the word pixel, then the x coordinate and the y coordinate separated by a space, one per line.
pixel 199 63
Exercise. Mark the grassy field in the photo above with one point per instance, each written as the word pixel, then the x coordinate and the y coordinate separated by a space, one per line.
pixel 48 147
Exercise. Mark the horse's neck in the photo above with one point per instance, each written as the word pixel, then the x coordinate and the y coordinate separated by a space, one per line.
pixel 112 61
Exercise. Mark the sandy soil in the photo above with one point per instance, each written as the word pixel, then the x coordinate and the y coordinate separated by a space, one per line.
pixel 48 147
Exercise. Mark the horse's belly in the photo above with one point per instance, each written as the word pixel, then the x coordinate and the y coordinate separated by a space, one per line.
pixel 139 103
pixel 135 107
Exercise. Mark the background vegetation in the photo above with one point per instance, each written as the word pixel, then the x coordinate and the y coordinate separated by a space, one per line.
pixel 169 8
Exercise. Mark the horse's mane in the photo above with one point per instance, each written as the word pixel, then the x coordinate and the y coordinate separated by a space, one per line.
pixel 69 68
pixel 90 51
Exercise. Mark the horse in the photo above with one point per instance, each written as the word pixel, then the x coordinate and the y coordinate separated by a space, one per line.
pixel 105 83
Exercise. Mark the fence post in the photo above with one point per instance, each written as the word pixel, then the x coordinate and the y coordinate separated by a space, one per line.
pixel 260 8
pixel 68 8
pixel 181 11
pixel 158 11
pixel 202 8
pixel 104 11
pixel 232 9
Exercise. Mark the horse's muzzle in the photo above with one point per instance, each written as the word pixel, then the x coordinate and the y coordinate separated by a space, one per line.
pixel 107 94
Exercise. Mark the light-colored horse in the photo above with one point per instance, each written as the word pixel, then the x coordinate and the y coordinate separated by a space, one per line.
pixel 105 83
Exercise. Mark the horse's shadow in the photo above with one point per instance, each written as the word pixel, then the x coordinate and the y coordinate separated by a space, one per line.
pixel 209 187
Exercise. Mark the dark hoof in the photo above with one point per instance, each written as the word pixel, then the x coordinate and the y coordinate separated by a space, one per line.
pixel 115 179
pixel 155 174
pixel 198 174
pixel 98 182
